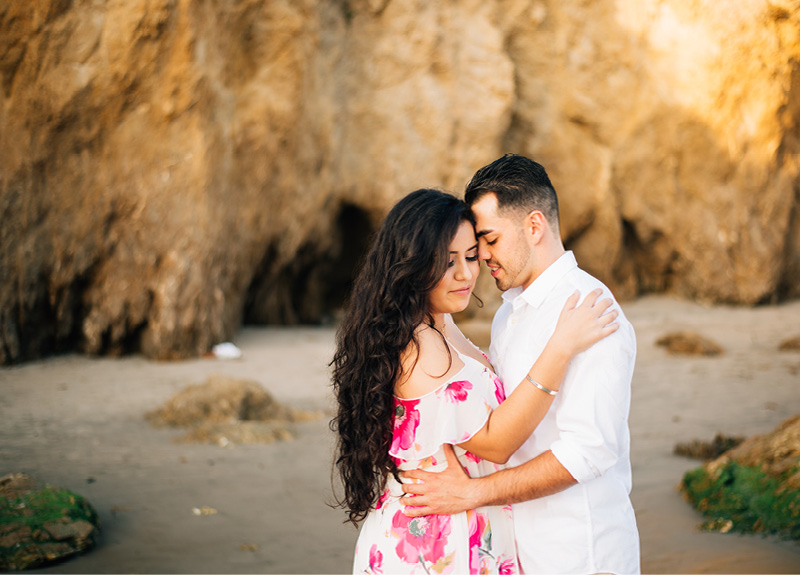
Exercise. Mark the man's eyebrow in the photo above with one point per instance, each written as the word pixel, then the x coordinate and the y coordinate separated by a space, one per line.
pixel 483 233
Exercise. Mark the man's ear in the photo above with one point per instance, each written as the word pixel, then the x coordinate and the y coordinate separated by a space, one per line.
pixel 538 224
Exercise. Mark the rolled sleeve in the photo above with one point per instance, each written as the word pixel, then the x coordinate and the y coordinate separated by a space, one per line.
pixel 592 417
pixel 578 466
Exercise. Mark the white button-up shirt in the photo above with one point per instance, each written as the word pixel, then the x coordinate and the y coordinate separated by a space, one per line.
pixel 589 527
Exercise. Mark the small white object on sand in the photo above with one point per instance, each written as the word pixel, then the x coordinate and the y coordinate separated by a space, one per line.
pixel 226 350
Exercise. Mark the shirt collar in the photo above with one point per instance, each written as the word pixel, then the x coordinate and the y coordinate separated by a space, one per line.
pixel 536 292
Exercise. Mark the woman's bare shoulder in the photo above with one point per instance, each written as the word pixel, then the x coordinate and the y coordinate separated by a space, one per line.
pixel 426 366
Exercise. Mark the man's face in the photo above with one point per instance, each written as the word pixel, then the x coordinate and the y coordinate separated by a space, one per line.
pixel 503 243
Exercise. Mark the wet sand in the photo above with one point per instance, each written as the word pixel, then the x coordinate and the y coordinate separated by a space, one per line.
pixel 78 422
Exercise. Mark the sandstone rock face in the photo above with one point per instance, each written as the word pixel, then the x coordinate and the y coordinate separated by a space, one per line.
pixel 169 169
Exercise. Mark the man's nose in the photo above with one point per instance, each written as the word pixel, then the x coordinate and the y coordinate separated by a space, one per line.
pixel 483 253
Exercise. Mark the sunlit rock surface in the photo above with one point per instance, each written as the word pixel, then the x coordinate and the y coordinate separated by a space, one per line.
pixel 169 169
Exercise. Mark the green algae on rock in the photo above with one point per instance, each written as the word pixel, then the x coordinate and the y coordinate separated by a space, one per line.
pixel 44 525
pixel 752 488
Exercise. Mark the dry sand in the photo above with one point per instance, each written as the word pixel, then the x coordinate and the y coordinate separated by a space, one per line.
pixel 78 422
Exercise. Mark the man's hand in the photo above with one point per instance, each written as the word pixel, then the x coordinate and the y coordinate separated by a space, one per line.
pixel 444 493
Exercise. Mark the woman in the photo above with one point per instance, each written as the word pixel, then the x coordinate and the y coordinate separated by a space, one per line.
pixel 407 382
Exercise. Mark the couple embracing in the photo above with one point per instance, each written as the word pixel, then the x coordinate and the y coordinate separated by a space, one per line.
pixel 461 463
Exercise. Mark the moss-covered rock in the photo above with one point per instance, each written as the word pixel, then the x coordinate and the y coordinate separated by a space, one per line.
pixel 752 488
pixel 42 525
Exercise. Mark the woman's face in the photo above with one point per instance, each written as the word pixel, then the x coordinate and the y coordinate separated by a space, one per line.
pixel 453 291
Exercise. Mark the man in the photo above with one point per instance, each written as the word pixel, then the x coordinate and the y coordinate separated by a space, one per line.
pixel 570 481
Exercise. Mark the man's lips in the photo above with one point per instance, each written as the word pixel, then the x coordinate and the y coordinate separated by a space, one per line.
pixel 493 269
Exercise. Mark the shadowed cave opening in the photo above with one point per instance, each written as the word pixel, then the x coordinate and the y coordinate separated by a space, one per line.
pixel 313 286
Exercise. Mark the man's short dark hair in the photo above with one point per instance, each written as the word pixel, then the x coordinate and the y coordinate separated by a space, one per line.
pixel 519 183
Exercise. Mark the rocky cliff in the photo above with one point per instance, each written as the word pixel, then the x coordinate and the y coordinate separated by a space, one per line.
pixel 171 168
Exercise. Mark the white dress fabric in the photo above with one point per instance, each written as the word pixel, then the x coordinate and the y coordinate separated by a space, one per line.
pixel 475 541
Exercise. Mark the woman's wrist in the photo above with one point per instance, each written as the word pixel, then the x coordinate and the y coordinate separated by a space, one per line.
pixel 543 370
pixel 558 352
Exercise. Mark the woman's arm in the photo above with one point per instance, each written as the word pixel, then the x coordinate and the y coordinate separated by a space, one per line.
pixel 514 420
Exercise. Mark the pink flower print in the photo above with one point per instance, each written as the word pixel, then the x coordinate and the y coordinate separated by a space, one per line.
pixel 421 538
pixel 507 567
pixel 382 499
pixel 397 461
pixel 427 462
pixel 480 539
pixel 406 420
pixel 499 390
pixel 472 457
pixel 456 391
pixel 375 560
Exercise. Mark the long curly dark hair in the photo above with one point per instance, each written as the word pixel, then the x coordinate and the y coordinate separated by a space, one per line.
pixel 389 300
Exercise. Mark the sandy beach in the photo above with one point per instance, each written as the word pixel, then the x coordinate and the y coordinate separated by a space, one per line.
pixel 78 422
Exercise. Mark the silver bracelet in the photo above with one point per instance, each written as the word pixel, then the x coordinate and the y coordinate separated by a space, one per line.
pixel 540 386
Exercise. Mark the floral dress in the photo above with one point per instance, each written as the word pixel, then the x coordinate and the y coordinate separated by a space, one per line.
pixel 476 541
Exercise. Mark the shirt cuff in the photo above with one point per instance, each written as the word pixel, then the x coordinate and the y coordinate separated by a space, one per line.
pixel 577 465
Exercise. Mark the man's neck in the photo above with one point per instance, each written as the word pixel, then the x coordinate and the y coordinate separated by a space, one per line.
pixel 544 260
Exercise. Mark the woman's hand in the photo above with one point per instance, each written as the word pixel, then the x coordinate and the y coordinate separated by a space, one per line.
pixel 581 326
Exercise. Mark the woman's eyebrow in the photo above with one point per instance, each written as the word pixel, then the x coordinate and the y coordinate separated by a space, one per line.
pixel 475 247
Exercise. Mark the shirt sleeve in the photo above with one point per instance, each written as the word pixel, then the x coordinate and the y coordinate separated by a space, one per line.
pixel 592 415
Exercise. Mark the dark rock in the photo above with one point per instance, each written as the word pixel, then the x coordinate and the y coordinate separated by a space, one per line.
pixel 791 344
pixel 700 449
pixel 688 343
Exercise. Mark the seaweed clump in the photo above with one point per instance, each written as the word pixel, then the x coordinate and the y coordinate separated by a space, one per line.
pixel 229 411
pixel 699 449
pixel 753 488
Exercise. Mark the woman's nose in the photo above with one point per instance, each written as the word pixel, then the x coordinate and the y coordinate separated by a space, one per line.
pixel 463 272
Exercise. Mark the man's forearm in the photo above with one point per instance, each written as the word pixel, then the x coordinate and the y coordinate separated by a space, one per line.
pixel 539 477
